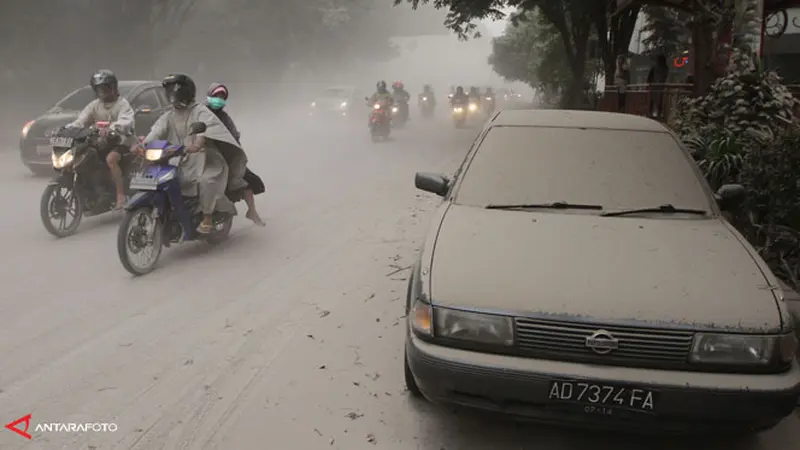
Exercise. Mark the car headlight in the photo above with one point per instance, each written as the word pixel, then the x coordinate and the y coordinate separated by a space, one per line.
pixel 474 327
pixel 59 162
pixel 343 105
pixel 743 350
pixel 26 128
pixel 153 154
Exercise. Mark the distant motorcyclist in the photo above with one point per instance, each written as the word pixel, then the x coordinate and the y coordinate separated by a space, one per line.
pixel 474 93
pixel 489 100
pixel 381 95
pixel 427 95
pixel 399 93
pixel 109 106
pixel 216 99
pixel 459 97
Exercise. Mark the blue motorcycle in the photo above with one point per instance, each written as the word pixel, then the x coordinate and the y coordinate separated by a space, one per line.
pixel 157 215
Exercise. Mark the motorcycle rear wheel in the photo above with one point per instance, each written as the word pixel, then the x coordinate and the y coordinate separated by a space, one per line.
pixel 132 238
pixel 52 199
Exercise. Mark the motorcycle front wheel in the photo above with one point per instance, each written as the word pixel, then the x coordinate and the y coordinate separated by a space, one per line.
pixel 64 205
pixel 139 241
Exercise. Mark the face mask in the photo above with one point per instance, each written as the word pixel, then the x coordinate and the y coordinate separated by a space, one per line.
pixel 215 102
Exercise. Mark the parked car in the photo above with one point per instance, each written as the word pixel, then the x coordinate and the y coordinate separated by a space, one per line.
pixel 338 101
pixel 146 97
pixel 580 271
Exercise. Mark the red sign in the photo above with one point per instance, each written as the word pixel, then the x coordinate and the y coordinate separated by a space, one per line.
pixel 13 426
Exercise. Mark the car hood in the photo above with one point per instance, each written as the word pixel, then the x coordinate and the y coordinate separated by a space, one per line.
pixel 577 266
pixel 49 121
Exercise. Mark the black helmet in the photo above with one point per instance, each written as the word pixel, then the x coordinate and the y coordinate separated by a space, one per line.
pixel 102 77
pixel 459 90
pixel 381 85
pixel 181 90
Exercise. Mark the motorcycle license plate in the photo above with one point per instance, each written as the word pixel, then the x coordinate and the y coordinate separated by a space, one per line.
pixel 143 182
pixel 61 141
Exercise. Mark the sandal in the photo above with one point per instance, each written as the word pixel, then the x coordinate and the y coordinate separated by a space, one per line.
pixel 205 228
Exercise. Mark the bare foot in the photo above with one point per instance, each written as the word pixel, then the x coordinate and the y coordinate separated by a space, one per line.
pixel 120 203
pixel 252 215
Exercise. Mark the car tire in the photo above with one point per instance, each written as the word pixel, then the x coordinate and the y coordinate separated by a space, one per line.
pixel 411 383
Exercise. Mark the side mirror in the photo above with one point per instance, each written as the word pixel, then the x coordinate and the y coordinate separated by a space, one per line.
pixel 730 196
pixel 433 183
pixel 197 128
pixel 143 110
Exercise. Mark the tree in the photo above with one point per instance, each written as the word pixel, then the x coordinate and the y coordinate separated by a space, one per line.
pixel 530 51
pixel 666 30
pixel 573 19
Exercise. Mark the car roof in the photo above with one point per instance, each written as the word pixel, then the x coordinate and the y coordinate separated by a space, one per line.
pixel 562 118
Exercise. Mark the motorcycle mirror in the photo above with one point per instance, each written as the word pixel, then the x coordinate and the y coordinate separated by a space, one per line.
pixel 197 128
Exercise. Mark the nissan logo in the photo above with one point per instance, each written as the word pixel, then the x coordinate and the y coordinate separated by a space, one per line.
pixel 602 342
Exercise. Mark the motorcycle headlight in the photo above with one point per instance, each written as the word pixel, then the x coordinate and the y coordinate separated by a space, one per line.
pixel 376 106
pixel 742 350
pixel 59 162
pixel 474 327
pixel 473 107
pixel 458 109
pixel 153 154
pixel 488 98
pixel 394 109
pixel 343 105
pixel 424 99
pixel 313 104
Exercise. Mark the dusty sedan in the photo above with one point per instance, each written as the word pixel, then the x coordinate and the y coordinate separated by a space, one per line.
pixel 580 271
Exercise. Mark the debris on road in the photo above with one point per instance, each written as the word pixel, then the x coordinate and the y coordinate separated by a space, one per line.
pixel 324 313
pixel 371 439
pixel 354 416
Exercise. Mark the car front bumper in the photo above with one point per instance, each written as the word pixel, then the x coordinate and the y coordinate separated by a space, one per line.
pixel 687 401
pixel 35 152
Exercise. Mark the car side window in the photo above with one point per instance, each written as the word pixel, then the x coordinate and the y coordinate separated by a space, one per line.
pixel 147 98
pixel 162 95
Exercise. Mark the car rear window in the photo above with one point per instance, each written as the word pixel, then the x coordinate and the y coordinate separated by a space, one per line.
pixel 78 100
pixel 612 168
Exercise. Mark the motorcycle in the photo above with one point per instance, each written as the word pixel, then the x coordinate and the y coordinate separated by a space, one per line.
pixel 459 114
pixel 84 185
pixel 399 114
pixel 426 107
pixel 489 105
pixel 158 215
pixel 380 122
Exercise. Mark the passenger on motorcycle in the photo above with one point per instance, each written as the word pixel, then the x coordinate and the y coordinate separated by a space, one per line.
pixel 216 99
pixel 427 93
pixel 204 171
pixel 399 93
pixel 382 95
pixel 474 93
pixel 109 106
pixel 459 97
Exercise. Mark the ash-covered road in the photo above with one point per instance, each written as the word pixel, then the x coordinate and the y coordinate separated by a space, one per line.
pixel 284 338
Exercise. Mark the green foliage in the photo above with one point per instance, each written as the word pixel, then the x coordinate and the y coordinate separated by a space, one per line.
pixel 720 156
pixel 666 29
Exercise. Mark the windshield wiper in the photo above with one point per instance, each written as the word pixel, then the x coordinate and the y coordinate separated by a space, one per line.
pixel 667 208
pixel 551 205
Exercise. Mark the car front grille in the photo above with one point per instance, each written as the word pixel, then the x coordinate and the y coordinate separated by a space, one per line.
pixel 561 340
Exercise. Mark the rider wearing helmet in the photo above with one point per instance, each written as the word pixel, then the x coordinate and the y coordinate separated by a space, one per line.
pixel 109 106
pixel 382 95
pixel 459 97
pixel 427 95
pixel 475 93
pixel 206 175
pixel 399 92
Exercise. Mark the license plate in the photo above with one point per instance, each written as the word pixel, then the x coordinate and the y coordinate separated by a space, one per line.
pixel 44 150
pixel 592 396
pixel 143 182
pixel 61 141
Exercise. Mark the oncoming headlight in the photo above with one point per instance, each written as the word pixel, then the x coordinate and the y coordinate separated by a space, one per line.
pixel 458 109
pixel 474 327
pixel 394 109
pixel 376 106
pixel 742 350
pixel 63 160
pixel 153 154
pixel 343 105
pixel 473 107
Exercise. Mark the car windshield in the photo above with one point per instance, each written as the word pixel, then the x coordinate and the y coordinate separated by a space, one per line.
pixel 77 100
pixel 336 93
pixel 617 169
